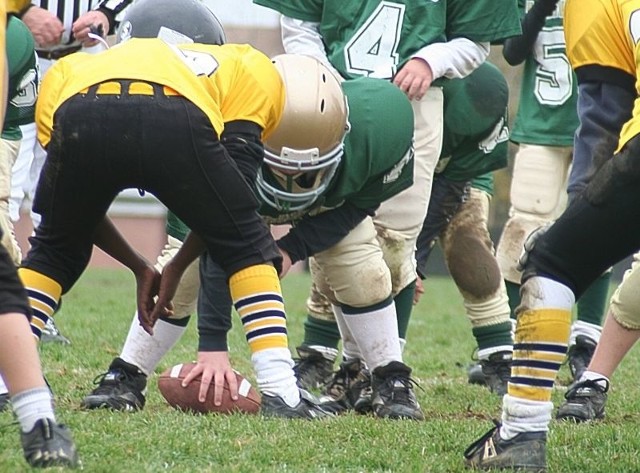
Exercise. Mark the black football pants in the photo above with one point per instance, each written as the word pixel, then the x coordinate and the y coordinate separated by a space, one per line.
pixel 165 145
pixel 599 228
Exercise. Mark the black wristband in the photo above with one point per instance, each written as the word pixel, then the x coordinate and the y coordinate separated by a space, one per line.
pixel 110 18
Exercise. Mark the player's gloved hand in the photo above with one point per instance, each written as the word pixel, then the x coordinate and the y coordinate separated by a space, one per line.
pixel 548 6
pixel 414 78
pixel 529 243
pixel 213 366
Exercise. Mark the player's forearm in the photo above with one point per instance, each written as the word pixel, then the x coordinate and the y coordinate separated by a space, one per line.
pixel 303 37
pixel 192 247
pixel 110 240
pixel 516 49
pixel 320 232
pixel 454 59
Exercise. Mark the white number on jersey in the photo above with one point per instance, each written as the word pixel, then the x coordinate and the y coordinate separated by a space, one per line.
pixel 634 26
pixel 373 49
pixel 554 79
pixel 27 90
pixel 202 64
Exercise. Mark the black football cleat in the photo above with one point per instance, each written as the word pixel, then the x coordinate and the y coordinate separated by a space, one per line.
pixel 48 445
pixel 525 452
pixel 121 388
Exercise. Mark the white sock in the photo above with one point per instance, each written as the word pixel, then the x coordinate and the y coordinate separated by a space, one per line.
pixel 485 353
pixel 376 334
pixel 328 353
pixel 586 329
pixel 523 415
pixel 3 387
pixel 31 406
pixel 350 349
pixel 274 374
pixel 600 379
pixel 143 350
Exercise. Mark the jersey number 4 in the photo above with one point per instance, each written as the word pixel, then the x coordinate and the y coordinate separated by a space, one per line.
pixel 373 49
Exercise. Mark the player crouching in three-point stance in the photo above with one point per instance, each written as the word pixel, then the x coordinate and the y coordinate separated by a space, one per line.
pixel 185 123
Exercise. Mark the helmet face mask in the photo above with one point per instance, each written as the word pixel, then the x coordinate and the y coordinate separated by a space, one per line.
pixel 174 21
pixel 303 154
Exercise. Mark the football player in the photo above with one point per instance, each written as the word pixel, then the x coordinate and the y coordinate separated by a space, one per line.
pixel 59 28
pixel 560 262
pixel 414 45
pixel 45 442
pixel 135 96
pixel 544 131
pixel 474 143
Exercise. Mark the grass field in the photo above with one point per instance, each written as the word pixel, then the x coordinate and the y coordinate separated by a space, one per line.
pixel 96 315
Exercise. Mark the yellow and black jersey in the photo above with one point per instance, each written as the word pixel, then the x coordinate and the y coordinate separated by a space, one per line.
pixel 228 82
pixel 600 39
pixel 602 44
pixel 16 6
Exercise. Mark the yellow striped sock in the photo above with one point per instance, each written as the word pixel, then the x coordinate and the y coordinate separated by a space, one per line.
pixel 44 294
pixel 257 297
pixel 540 347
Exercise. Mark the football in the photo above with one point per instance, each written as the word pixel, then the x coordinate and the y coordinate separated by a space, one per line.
pixel 186 399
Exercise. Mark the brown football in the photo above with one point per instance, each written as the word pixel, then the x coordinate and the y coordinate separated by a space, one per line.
pixel 186 399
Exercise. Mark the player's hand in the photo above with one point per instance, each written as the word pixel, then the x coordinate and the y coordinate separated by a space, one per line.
pixel 414 78
pixel 93 21
pixel 147 286
pixel 166 290
pixel 286 263
pixel 213 366
pixel 45 27
pixel 419 290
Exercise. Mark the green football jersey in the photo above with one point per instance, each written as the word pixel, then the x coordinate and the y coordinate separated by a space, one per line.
pixel 547 112
pixel 23 79
pixel 378 154
pixel 475 137
pixel 375 38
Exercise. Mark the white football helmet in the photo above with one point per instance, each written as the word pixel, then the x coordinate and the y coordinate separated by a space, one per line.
pixel 303 153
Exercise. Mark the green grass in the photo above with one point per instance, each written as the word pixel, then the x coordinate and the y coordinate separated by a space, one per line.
pixel 96 316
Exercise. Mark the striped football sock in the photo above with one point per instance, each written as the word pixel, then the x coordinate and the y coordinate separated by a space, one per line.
pixel 540 347
pixel 44 295
pixel 257 297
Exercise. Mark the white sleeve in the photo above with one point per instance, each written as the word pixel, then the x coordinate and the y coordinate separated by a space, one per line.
pixel 454 59
pixel 303 37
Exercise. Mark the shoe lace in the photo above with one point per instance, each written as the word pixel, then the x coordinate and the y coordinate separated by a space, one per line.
pixel 106 381
pixel 399 388
pixel 474 354
pixel 581 392
pixel 473 448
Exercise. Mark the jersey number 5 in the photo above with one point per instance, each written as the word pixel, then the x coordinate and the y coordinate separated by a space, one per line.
pixel 554 78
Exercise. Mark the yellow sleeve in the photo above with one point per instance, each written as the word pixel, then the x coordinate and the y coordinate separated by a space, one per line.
pixel 15 6
pixel 48 101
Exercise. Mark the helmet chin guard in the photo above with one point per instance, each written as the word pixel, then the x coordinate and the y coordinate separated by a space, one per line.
pixel 303 154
